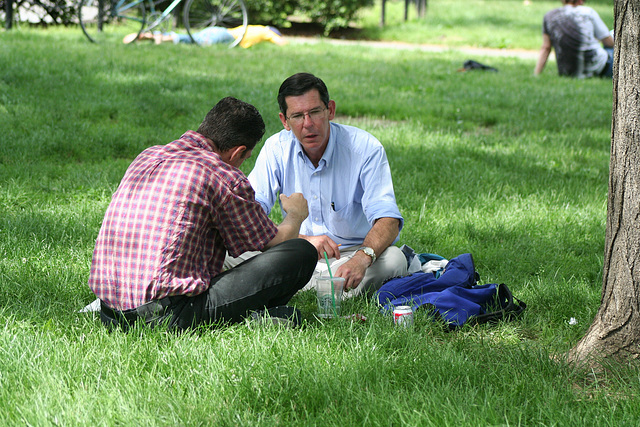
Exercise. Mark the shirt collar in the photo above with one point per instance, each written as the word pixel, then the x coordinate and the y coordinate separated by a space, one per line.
pixel 197 139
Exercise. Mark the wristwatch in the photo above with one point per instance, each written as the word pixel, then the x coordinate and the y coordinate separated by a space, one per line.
pixel 368 251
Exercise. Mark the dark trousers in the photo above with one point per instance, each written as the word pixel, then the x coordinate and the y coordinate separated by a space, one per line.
pixel 266 280
pixel 607 71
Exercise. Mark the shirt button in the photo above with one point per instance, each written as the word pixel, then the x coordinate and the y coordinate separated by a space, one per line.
pixel 315 197
pixel 316 218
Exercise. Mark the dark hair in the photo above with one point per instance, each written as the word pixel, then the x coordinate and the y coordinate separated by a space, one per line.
pixel 299 84
pixel 232 123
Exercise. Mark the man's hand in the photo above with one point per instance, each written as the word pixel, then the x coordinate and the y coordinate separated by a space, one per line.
pixel 324 244
pixel 381 235
pixel 353 270
pixel 296 208
pixel 295 205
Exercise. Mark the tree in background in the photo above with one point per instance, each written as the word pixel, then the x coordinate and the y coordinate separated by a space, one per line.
pixel 615 331
pixel 39 12
pixel 331 14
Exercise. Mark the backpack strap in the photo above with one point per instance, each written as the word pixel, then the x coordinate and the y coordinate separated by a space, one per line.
pixel 508 308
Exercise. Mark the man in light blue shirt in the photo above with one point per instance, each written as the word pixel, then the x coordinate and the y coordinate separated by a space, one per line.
pixel 344 174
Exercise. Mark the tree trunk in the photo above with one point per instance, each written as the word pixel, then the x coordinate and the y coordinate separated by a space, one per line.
pixel 615 331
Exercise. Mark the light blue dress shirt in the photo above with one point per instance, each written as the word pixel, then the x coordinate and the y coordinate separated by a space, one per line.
pixel 346 193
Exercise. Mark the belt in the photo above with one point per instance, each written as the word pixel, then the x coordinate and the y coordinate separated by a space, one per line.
pixel 128 315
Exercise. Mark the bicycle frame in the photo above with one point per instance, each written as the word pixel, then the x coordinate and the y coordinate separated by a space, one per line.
pixel 164 14
pixel 124 5
pixel 137 16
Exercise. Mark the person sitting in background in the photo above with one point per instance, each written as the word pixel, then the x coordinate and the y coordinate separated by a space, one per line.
pixel 214 35
pixel 575 32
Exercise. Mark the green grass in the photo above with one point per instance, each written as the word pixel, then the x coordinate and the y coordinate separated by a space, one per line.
pixel 481 23
pixel 508 167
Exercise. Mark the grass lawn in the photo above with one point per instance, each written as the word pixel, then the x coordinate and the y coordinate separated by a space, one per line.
pixel 508 167
pixel 481 23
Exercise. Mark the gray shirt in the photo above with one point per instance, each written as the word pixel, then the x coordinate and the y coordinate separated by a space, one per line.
pixel 575 33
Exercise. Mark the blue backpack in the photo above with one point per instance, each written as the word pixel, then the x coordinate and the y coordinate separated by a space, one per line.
pixel 454 296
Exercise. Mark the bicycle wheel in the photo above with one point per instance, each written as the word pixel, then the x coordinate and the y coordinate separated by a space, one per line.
pixel 155 22
pixel 200 14
pixel 102 19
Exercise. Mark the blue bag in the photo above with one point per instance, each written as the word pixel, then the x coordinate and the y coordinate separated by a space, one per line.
pixel 454 296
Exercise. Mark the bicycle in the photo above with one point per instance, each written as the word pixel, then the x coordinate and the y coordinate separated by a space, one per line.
pixel 101 19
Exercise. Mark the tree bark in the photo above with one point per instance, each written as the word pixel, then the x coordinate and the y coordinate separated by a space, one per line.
pixel 615 331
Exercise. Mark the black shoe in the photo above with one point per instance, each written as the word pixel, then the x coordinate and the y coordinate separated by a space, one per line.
pixel 284 315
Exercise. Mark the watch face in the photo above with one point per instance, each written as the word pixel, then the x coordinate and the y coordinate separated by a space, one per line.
pixel 369 252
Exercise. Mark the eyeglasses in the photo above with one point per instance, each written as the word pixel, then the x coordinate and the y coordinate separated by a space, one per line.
pixel 313 114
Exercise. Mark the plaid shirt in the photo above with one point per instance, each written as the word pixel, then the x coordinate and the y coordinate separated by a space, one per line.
pixel 177 211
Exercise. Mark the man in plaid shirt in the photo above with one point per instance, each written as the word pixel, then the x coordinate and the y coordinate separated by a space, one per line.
pixel 177 211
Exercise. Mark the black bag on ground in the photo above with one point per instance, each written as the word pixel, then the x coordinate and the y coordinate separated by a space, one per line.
pixel 470 65
pixel 507 307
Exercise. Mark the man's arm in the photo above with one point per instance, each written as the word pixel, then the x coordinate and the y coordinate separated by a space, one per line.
pixel 379 238
pixel 600 29
pixel 545 50
pixel 265 175
pixel 607 41
pixel 297 211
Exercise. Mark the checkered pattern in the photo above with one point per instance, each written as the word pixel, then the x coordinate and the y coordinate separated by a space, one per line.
pixel 177 211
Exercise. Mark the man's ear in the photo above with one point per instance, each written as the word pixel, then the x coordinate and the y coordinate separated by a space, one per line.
pixel 237 154
pixel 283 119
pixel 332 109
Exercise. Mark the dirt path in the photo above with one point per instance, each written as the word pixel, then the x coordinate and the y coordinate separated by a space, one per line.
pixel 519 53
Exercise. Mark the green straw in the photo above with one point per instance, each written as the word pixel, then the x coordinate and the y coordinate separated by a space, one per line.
pixel 333 292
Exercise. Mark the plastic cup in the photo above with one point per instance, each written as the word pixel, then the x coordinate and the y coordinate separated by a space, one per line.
pixel 328 304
